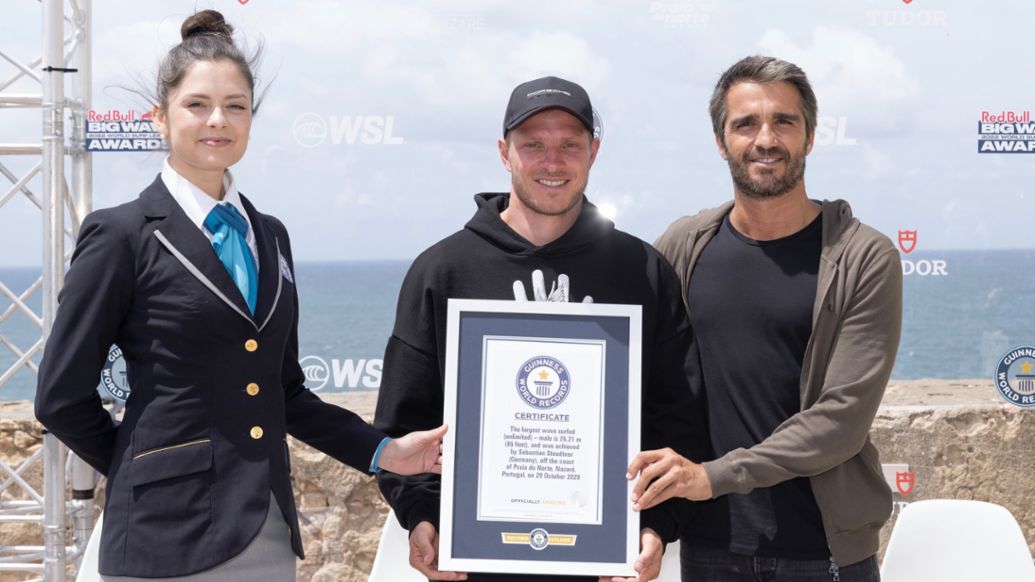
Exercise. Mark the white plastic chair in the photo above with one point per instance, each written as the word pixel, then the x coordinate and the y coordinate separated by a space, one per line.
pixel 392 561
pixel 948 540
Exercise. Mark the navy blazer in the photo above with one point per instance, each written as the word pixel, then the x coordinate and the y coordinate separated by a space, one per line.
pixel 214 390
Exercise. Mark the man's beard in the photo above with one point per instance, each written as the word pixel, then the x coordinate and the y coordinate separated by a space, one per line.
pixel 772 188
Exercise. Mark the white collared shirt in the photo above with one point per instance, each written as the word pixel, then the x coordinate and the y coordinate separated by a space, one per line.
pixel 196 204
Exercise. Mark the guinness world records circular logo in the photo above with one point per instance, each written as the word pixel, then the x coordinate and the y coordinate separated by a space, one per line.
pixel 543 382
pixel 539 539
pixel 113 375
pixel 1015 376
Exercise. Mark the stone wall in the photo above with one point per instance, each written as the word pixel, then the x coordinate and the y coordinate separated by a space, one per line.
pixel 958 438
pixel 962 441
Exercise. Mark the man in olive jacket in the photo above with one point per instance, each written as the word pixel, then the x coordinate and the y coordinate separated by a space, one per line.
pixel 797 307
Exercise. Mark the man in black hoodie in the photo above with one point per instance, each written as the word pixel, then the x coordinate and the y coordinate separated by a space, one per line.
pixel 543 231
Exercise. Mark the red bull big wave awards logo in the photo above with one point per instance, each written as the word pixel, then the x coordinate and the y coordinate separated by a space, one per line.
pixel 1006 132
pixel 122 131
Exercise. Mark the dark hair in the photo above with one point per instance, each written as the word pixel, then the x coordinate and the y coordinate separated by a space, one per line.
pixel 760 69
pixel 207 36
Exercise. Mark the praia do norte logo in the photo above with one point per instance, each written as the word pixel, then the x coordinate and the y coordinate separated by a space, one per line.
pixel 113 375
pixel 345 373
pixel 1006 132
pixel 922 267
pixel 543 382
pixel 1015 376
pixel 312 130
pixel 122 131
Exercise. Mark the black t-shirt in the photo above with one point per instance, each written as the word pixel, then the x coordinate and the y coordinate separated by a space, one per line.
pixel 751 308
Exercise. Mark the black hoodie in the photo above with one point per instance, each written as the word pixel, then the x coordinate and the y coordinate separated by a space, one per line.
pixel 483 261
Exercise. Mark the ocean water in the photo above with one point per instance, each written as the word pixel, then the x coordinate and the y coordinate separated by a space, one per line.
pixel 962 311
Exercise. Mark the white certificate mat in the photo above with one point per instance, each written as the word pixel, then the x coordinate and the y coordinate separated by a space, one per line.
pixel 542 427
pixel 543 406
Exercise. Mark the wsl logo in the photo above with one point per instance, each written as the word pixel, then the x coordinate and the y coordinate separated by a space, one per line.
pixel 1015 376
pixel 347 374
pixel 832 130
pixel 312 130
pixel 113 375
pixel 543 382
pixel 921 267
pixel 1007 132
pixel 316 372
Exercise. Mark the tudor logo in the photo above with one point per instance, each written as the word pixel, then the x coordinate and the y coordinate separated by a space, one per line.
pixel 907 240
pixel 904 481
pixel 899 478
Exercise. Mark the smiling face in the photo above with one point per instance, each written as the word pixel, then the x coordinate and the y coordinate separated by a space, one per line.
pixel 549 156
pixel 764 140
pixel 206 121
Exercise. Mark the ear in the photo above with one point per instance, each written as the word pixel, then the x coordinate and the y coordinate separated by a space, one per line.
pixel 721 147
pixel 160 121
pixel 593 149
pixel 504 153
pixel 811 141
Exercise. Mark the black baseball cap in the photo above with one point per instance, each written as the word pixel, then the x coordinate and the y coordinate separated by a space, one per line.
pixel 548 93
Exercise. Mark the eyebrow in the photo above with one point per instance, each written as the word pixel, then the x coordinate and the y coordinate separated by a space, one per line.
pixel 780 116
pixel 203 96
pixel 742 119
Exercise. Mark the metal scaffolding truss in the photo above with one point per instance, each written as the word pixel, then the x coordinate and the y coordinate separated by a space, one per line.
pixel 63 76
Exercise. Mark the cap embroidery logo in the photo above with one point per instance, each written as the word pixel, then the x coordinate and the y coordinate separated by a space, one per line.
pixel 547 92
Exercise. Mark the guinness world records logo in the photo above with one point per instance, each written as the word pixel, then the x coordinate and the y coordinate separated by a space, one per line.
pixel 539 539
pixel 113 375
pixel 1015 376
pixel 543 382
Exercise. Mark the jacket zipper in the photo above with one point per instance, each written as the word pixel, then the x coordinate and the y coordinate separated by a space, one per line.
pixel 169 448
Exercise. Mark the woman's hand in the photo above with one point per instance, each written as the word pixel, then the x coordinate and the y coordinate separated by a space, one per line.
pixel 418 452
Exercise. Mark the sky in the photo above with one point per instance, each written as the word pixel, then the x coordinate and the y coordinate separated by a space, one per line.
pixel 901 89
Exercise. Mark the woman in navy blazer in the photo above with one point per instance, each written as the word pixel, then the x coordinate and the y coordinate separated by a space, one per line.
pixel 198 470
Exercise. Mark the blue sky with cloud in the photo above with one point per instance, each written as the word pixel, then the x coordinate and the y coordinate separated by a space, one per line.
pixel 901 87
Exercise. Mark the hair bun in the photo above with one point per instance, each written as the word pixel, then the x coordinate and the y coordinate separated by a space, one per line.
pixel 207 22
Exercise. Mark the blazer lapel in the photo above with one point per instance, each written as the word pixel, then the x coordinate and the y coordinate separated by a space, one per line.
pixel 188 245
pixel 270 278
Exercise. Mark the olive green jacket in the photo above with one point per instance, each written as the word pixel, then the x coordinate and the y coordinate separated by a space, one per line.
pixel 857 320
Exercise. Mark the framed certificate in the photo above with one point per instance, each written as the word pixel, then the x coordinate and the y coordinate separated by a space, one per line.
pixel 543 404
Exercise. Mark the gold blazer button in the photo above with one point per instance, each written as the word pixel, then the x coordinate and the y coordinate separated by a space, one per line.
pixel 252 389
pixel 256 432
pixel 251 345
